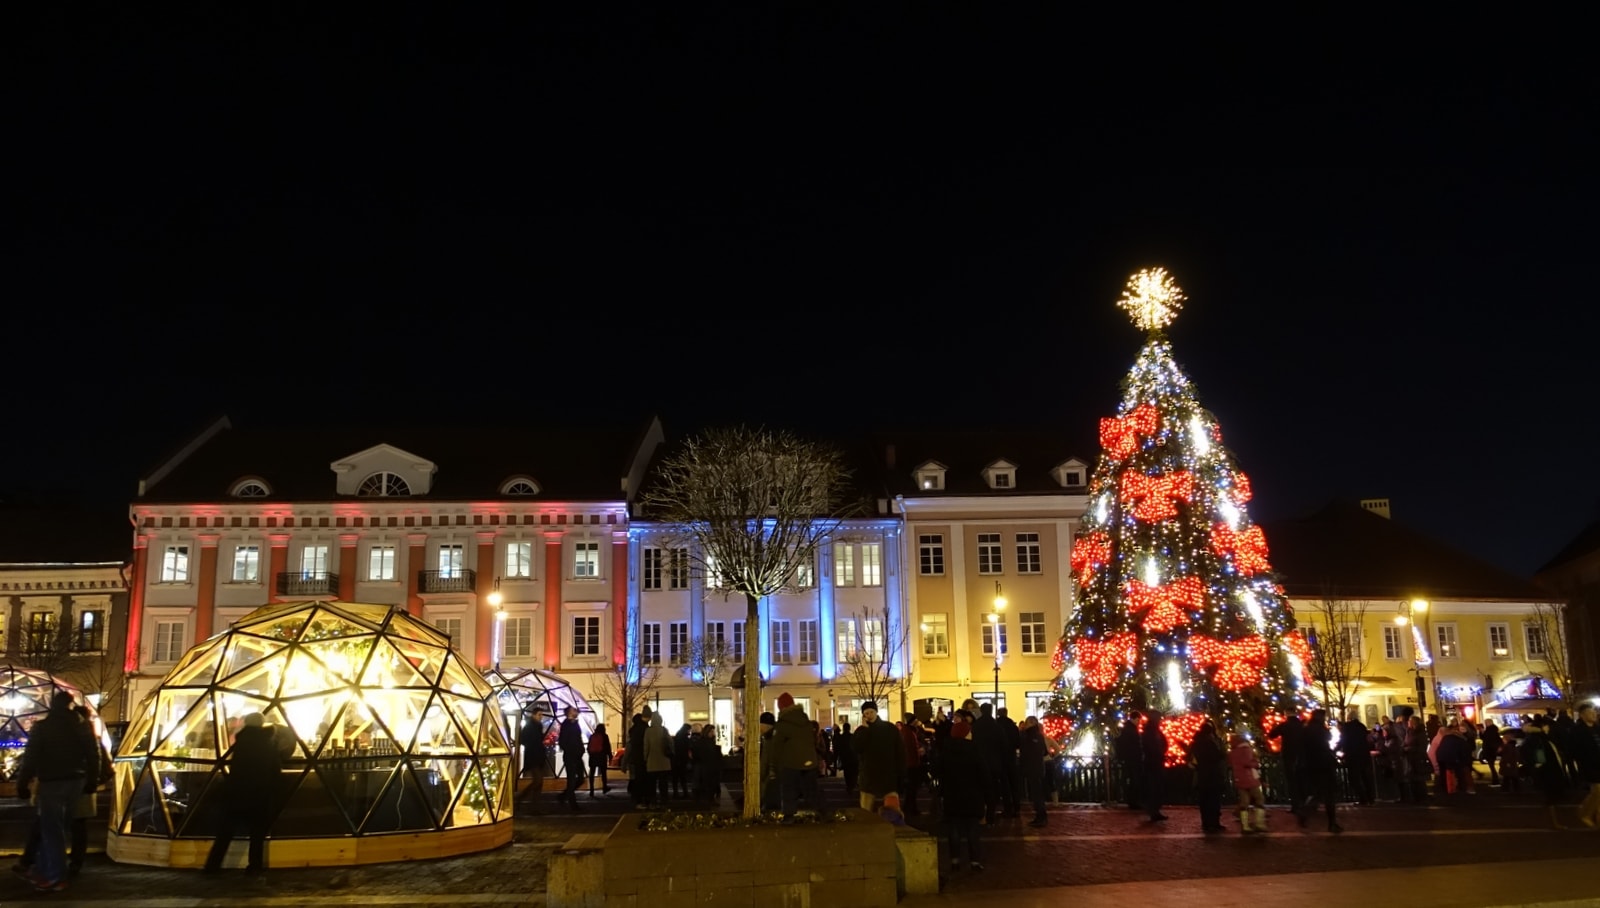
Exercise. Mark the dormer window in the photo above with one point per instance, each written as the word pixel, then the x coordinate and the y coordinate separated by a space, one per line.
pixel 518 486
pixel 383 485
pixel 250 488
pixel 1071 474
pixel 930 476
pixel 1001 475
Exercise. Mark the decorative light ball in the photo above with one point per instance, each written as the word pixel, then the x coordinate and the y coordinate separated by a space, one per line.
pixel 1152 299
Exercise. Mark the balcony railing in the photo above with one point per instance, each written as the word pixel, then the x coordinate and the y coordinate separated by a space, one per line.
pixel 457 581
pixel 308 583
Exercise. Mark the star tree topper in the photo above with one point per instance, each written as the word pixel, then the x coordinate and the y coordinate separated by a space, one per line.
pixel 1152 299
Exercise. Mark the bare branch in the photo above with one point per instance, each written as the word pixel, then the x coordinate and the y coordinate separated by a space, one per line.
pixel 867 668
pixel 1339 655
pixel 1549 620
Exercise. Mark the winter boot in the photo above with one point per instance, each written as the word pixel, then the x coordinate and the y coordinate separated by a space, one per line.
pixel 1260 814
pixel 1244 822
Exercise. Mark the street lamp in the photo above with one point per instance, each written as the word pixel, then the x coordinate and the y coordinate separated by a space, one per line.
pixel 1415 613
pixel 997 636
pixel 496 601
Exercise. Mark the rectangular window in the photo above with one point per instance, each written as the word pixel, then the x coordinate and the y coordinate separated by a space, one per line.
pixel 1028 553
pixel 451 628
pixel 935 635
pixel 650 643
pixel 1032 626
pixel 844 564
pixel 678 643
pixel 1444 636
pixel 993 630
pixel 782 646
pixel 380 563
pixel 872 639
pixel 585 635
pixel 930 554
pixel 713 576
pixel 41 632
pixel 871 564
pixel 1393 647
pixel 314 561
pixel 518 642
pixel 1499 641
pixel 175 564
pixel 1533 637
pixel 845 639
pixel 91 631
pixel 1350 642
pixel 168 644
pixel 451 560
pixel 586 559
pixel 989 553
pixel 716 634
pixel 246 564
pixel 678 569
pixel 805 574
pixel 808 642
pixel 519 559
pixel 650 569
pixel 738 641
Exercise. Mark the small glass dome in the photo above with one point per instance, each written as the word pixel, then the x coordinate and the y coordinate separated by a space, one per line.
pixel 516 692
pixel 381 725
pixel 24 699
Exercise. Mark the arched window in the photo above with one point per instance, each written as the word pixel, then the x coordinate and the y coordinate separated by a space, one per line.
pixel 383 485
pixel 519 485
pixel 250 488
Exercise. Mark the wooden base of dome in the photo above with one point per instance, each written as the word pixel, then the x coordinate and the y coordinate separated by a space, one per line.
pixel 344 851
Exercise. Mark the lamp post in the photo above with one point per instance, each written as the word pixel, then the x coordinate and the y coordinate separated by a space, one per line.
pixel 496 601
pixel 1411 613
pixel 995 617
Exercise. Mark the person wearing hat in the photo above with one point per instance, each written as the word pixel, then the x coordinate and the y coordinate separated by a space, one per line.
pixel 769 774
pixel 794 753
pixel 883 757
pixel 961 791
pixel 60 762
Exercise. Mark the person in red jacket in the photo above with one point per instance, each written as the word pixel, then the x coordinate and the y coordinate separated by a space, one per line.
pixel 912 740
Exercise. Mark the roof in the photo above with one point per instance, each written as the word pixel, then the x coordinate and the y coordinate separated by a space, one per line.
pixel 964 454
pixel 1346 551
pixel 60 534
pixel 1587 542
pixel 582 464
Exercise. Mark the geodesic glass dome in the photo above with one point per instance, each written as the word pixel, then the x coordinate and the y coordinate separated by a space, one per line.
pixel 25 699
pixel 517 691
pixel 381 725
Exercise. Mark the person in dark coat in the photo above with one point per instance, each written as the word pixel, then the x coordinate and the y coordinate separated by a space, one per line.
pixel 639 783
pixel 531 740
pixel 878 745
pixel 1153 747
pixel 1356 746
pixel 681 749
pixel 570 740
pixel 705 758
pixel 1008 779
pixel 1489 749
pixel 1130 758
pixel 1319 765
pixel 770 798
pixel 1032 751
pixel 60 762
pixel 1210 763
pixel 794 755
pixel 987 737
pixel 849 763
pixel 599 758
pixel 248 794
pixel 961 775
pixel 1291 738
pixel 1585 744
pixel 1544 764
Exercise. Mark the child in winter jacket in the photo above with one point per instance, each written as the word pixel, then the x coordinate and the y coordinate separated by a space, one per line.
pixel 1247 781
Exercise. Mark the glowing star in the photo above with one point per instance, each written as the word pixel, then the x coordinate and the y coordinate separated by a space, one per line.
pixel 1151 299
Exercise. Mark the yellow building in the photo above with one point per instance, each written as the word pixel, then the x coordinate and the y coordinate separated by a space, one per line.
pixel 1398 617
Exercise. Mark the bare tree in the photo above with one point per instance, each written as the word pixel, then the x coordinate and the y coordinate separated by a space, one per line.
pixel 877 643
pixel 1338 654
pixel 625 690
pixel 1549 621
pixel 755 505
pixel 710 664
pixel 50 648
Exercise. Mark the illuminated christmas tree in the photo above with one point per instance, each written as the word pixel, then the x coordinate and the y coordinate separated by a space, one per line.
pixel 1177 611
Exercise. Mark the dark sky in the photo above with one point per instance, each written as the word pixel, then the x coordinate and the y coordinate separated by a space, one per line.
pixel 825 216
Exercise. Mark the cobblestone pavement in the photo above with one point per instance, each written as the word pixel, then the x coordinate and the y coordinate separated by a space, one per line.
pixel 1084 846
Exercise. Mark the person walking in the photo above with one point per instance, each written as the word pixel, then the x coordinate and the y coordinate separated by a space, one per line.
pixel 849 764
pixel 658 758
pixel 1584 741
pixel 1246 767
pixel 1130 759
pixel 531 740
pixel 600 758
pixel 1290 734
pixel 570 740
pixel 1031 754
pixel 1153 748
pixel 795 757
pixel 1319 766
pixel 1007 779
pixel 961 793
pixel 1356 746
pixel 882 754
pixel 84 809
pixel 987 737
pixel 59 763
pixel 248 794
pixel 1489 749
pixel 1210 762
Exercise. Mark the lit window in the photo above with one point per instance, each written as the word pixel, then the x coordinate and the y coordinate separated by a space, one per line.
pixel 1032 625
pixel 844 564
pixel 518 639
pixel 930 554
pixel 314 562
pixel 872 639
pixel 808 642
pixel 847 646
pixel 804 575
pixel 782 652
pixel 1534 638
pixel 451 627
pixel 383 485
pixel 91 631
pixel 1445 636
pixel 168 643
pixel 1027 553
pixel 989 553
pixel 650 643
pixel 678 643
pixel 452 560
pixel 246 564
pixel 586 560
pixel 380 563
pixel 871 564
pixel 1393 645
pixel 41 633
pixel 585 635
pixel 935 635
pixel 738 641
pixel 519 559
pixel 989 630
pixel 1499 641
pixel 175 564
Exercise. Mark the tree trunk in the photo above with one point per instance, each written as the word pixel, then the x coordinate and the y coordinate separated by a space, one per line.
pixel 752 706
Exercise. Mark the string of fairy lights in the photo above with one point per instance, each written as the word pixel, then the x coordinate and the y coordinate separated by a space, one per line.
pixel 1177 610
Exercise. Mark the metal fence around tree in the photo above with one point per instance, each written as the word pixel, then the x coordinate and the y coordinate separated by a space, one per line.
pixel 1100 779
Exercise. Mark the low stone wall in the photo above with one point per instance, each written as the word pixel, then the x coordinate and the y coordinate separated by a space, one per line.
pixel 855 864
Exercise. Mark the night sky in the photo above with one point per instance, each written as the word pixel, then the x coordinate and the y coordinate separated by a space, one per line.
pixel 811 215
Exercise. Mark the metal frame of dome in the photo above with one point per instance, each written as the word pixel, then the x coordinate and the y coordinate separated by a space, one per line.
pixel 386 734
pixel 515 691
pixel 25 695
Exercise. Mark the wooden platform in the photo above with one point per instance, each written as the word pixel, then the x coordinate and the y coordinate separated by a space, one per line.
pixel 316 852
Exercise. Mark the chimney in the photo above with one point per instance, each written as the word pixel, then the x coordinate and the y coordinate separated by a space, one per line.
pixel 888 456
pixel 1379 506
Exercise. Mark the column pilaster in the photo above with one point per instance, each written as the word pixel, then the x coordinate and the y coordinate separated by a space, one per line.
pixel 622 581
pixel 348 565
pixel 277 563
pixel 552 598
pixel 205 606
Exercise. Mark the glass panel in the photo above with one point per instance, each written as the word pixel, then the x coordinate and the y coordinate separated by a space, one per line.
pixel 343 658
pixel 277 625
pixel 429 660
pixel 410 801
pixel 502 784
pixel 493 733
pixel 202 808
pixel 316 718
pixel 326 626
pixel 468 715
pixel 438 733
pixel 231 710
pixel 199 666
pixel 471 804
pixel 127 773
pixel 193 736
pixel 243 652
pixel 304 673
pixel 459 678
pixel 290 747
pixel 354 786
pixel 388 668
pixel 399 713
pixel 136 740
pixel 262 678
pixel 147 813
pixel 310 810
pixel 173 721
